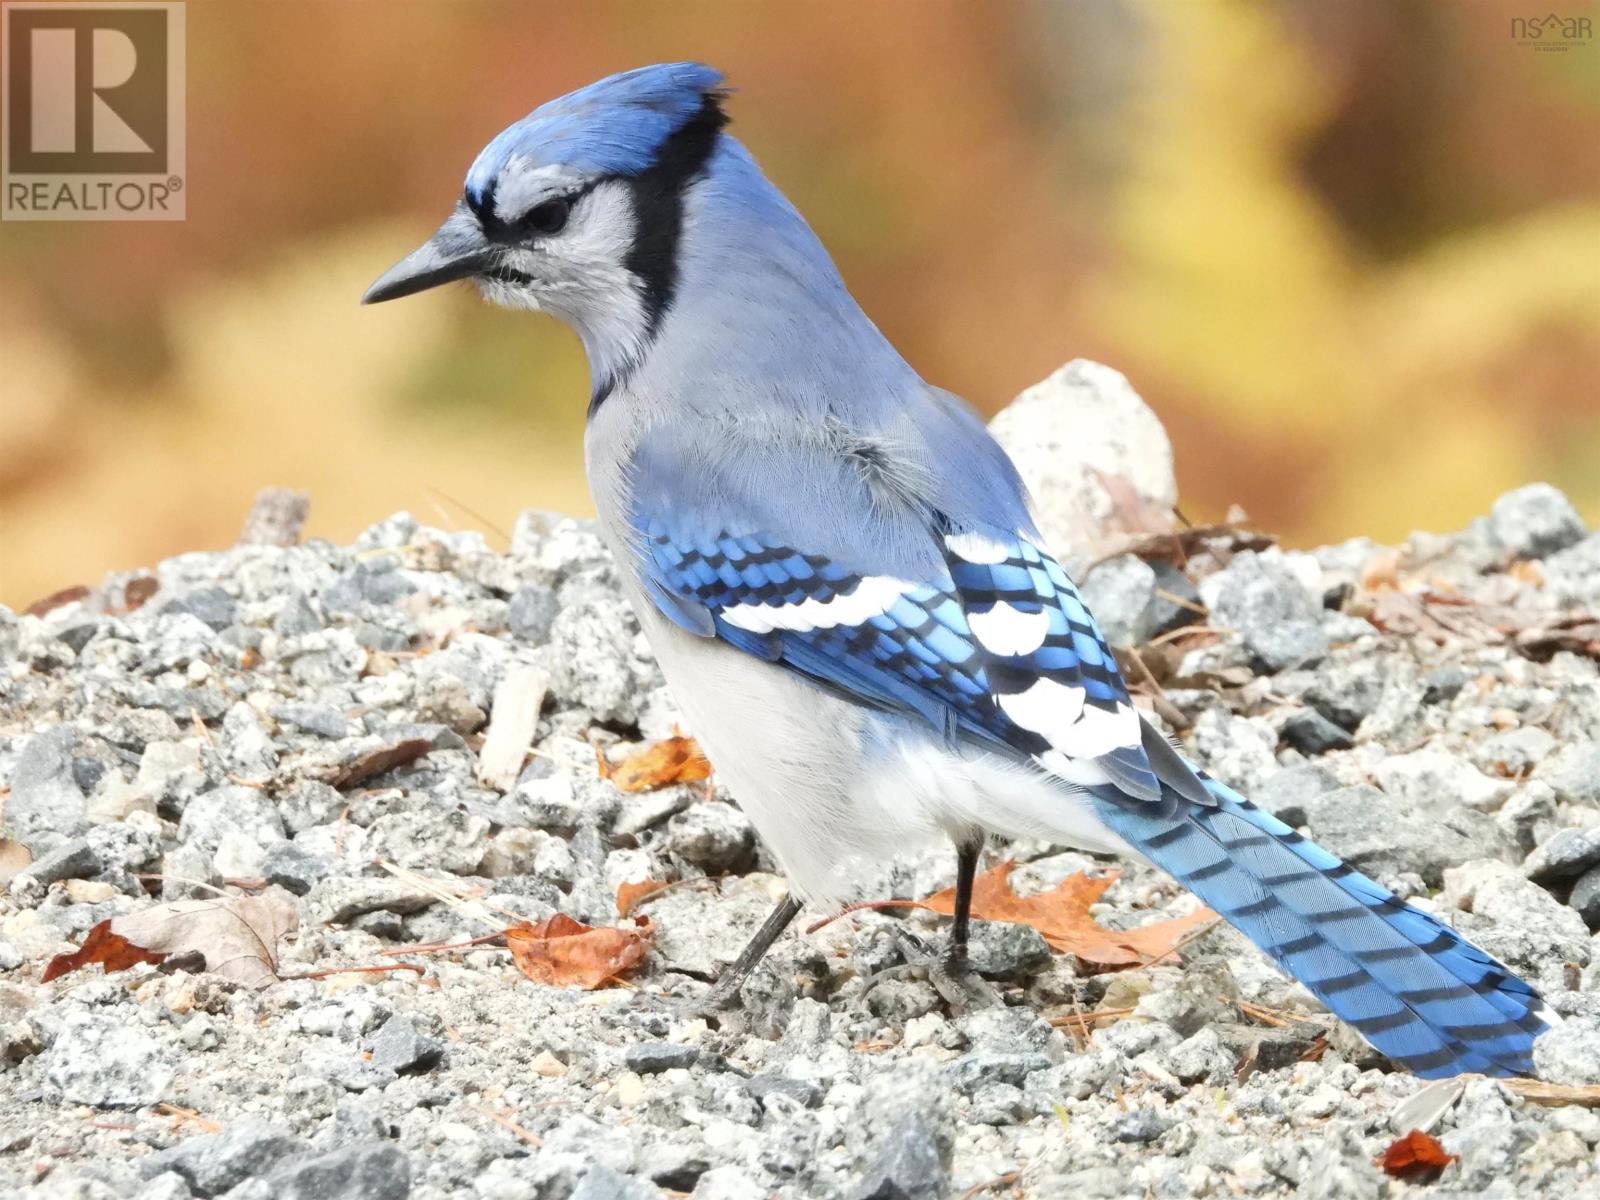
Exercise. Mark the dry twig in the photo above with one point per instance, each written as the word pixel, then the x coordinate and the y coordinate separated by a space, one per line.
pixel 183 1116
pixel 505 1122
pixel 999 1181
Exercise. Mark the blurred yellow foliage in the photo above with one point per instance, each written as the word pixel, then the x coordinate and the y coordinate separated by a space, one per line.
pixel 1231 277
pixel 1351 254
pixel 1403 376
pixel 279 376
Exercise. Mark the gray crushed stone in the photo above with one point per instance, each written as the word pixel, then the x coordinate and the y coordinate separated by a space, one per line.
pixel 291 715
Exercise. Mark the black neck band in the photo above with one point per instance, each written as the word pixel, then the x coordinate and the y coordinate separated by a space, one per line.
pixel 658 206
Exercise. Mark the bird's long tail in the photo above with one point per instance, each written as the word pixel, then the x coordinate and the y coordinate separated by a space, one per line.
pixel 1413 987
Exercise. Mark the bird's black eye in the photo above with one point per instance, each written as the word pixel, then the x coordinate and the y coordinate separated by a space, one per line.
pixel 549 217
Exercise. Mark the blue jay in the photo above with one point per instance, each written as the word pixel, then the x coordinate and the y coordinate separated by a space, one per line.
pixel 836 566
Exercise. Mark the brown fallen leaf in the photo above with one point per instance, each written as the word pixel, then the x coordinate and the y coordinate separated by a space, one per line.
pixel 1180 545
pixel 138 590
pixel 1577 634
pixel 562 952
pixel 1417 1157
pixel 55 600
pixel 14 858
pixel 101 945
pixel 237 936
pixel 629 894
pixel 378 760
pixel 1062 918
pixel 676 759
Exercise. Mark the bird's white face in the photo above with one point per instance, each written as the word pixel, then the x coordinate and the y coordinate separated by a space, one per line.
pixel 577 211
pixel 560 244
pixel 545 239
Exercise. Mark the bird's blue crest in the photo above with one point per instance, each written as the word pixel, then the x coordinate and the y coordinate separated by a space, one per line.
pixel 611 127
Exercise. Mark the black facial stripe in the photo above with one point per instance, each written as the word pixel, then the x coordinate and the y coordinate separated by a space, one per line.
pixel 482 206
pixel 509 233
pixel 658 206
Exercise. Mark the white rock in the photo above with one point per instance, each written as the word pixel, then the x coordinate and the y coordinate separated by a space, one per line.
pixel 238 856
pixel 107 1063
pixel 1082 419
pixel 1431 779
pixel 626 866
pixel 1570 1053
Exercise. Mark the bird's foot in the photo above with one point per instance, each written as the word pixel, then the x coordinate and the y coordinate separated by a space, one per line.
pixel 722 995
pixel 951 975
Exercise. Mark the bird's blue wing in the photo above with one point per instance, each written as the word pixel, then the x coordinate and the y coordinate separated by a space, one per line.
pixel 992 644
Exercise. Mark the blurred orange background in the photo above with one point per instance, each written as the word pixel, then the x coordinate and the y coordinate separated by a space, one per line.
pixel 1350 252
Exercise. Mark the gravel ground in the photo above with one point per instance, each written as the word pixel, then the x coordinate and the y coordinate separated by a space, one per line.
pixel 296 715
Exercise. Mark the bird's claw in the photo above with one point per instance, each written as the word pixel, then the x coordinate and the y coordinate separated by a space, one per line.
pixel 951 975
pixel 723 993
pixel 954 978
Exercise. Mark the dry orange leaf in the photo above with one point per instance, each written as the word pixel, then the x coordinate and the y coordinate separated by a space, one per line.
pixel 55 600
pixel 237 936
pixel 676 759
pixel 563 952
pixel 1417 1157
pixel 629 894
pixel 101 945
pixel 1061 916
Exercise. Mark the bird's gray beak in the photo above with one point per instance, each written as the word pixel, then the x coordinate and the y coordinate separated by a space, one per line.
pixel 457 251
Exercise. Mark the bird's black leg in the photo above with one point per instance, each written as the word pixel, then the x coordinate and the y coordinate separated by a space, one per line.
pixel 966 871
pixel 952 976
pixel 736 972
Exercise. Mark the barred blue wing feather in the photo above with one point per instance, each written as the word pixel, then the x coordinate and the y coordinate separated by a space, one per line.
pixel 996 647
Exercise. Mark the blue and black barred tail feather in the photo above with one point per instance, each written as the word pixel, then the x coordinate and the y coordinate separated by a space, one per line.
pixel 1417 990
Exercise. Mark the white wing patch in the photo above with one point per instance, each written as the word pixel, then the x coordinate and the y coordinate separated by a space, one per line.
pixel 1099 731
pixel 1075 730
pixel 872 597
pixel 1058 712
pixel 976 548
pixel 1047 708
pixel 1007 630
